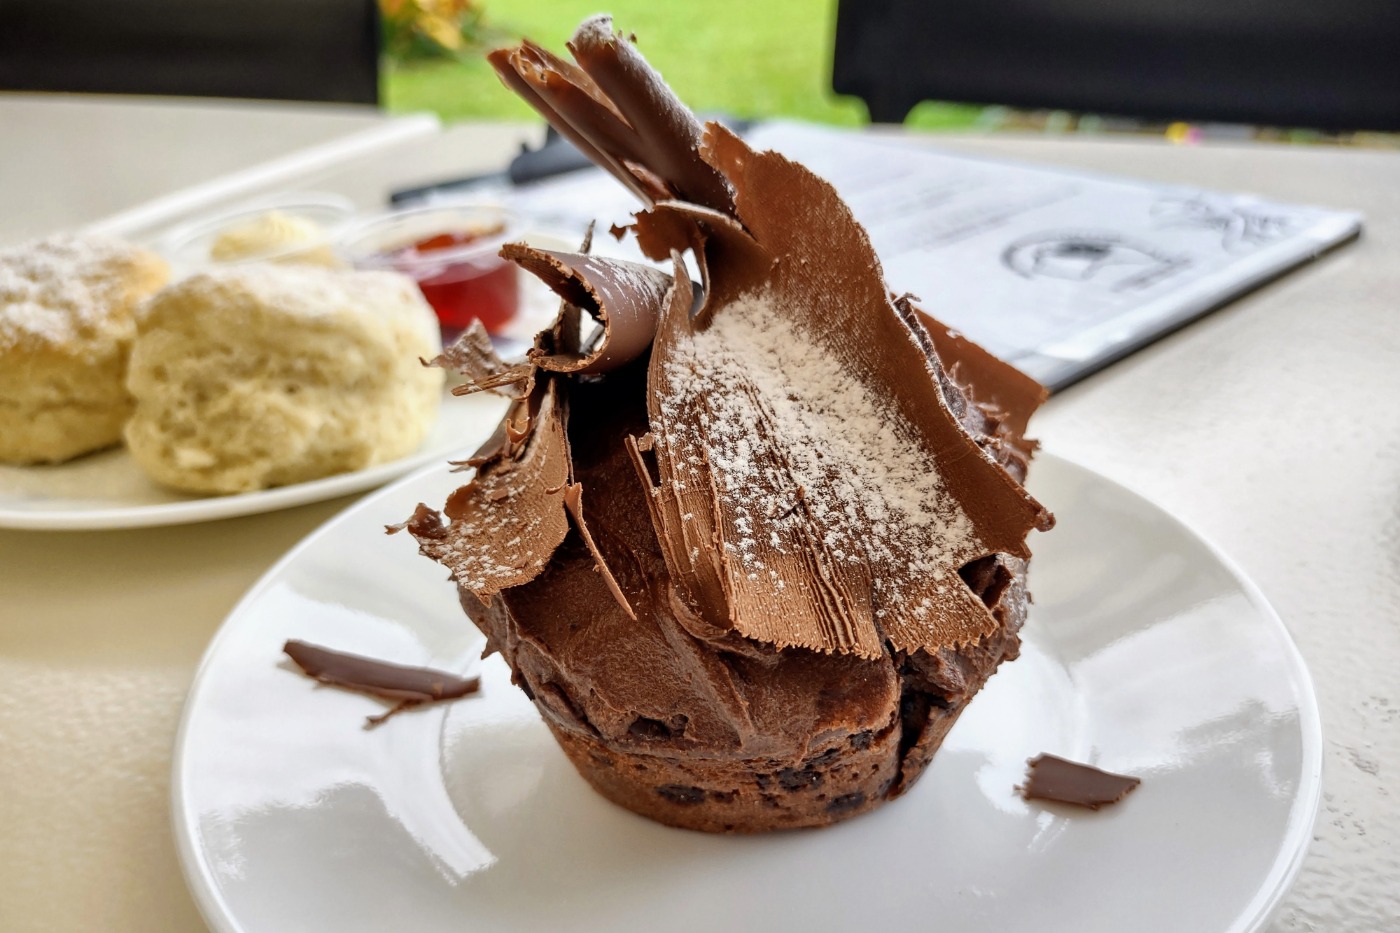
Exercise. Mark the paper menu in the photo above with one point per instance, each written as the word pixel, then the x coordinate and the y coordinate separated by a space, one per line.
pixel 1058 272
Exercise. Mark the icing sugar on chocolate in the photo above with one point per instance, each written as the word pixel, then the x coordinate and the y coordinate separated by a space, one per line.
pixel 822 484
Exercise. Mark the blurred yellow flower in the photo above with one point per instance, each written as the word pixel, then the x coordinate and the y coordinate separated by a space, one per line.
pixel 424 28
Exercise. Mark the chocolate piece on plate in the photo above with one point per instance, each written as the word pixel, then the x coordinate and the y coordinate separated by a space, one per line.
pixel 409 686
pixel 1052 778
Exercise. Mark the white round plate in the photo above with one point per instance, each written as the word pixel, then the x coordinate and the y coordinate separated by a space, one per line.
pixel 1146 653
pixel 108 489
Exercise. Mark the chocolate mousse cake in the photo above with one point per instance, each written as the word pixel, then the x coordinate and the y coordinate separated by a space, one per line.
pixel 751 544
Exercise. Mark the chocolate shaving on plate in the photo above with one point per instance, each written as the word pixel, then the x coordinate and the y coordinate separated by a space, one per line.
pixel 1053 778
pixel 409 686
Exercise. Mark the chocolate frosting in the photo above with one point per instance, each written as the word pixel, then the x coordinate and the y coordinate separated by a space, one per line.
pixel 813 472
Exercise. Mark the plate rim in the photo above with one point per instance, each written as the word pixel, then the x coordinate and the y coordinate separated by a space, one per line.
pixel 215 507
pixel 1253 918
pixel 452 434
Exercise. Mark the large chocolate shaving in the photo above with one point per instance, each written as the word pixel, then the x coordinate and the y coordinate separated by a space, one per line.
pixel 408 686
pixel 1053 778
pixel 796 248
pixel 503 526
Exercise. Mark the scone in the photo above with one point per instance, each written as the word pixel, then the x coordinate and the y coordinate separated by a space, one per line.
pixel 756 543
pixel 66 325
pixel 264 375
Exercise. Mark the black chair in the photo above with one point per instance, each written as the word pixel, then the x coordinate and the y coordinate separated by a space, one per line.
pixel 1324 64
pixel 312 50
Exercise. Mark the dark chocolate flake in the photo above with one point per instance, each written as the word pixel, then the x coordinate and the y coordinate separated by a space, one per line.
pixel 1052 778
pixel 846 803
pixel 794 779
pixel 681 793
pixel 644 728
pixel 407 686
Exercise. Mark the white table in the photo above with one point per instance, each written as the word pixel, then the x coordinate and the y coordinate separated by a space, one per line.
pixel 70 159
pixel 1273 427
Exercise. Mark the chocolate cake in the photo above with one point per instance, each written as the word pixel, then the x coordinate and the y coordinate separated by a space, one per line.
pixel 753 545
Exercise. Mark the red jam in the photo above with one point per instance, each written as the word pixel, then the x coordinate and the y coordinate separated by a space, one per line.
pixel 482 288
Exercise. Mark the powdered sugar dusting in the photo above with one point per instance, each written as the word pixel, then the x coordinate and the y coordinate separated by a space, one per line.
pixel 61 289
pixel 791 431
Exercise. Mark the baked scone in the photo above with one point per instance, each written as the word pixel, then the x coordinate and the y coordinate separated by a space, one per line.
pixel 263 375
pixel 753 546
pixel 66 325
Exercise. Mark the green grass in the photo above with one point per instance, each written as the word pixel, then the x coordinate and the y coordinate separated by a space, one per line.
pixel 749 58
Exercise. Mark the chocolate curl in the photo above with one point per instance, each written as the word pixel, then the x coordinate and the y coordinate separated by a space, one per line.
pixel 619 112
pixel 624 297
pixel 561 93
pixel 410 686
pixel 669 135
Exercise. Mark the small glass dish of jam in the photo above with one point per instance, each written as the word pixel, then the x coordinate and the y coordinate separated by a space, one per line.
pixel 451 251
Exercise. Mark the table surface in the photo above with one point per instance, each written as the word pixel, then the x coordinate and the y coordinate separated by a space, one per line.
pixel 69 159
pixel 1272 426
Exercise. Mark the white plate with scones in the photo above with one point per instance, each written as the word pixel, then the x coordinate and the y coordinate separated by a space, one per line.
pixel 1147 652
pixel 127 400
pixel 108 490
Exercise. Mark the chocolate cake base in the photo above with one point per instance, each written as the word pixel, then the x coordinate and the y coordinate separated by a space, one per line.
pixel 838 737
pixel 851 775
pixel 746 795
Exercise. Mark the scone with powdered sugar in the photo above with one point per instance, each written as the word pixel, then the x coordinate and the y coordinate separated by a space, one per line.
pixel 67 319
